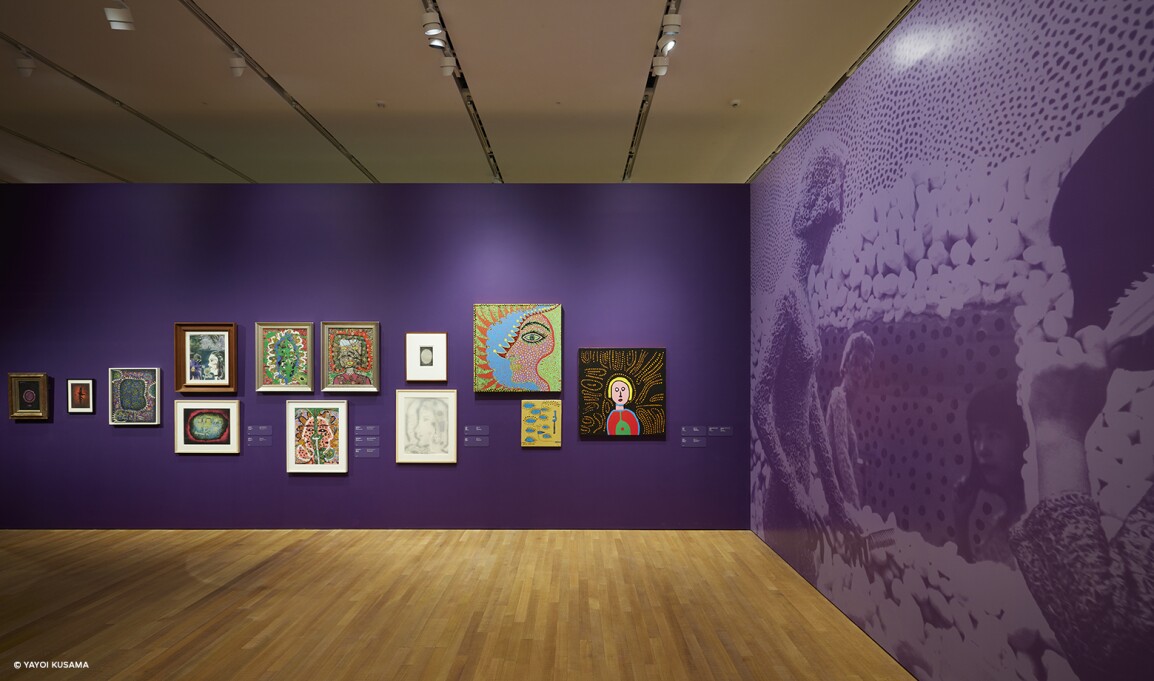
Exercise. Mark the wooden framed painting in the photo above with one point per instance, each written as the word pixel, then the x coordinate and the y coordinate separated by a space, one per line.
pixel 622 393
pixel 426 426
pixel 351 356
pixel 28 398
pixel 516 348
pixel 134 397
pixel 541 423
pixel 425 356
pixel 205 357
pixel 81 398
pixel 207 427
pixel 284 356
pixel 316 436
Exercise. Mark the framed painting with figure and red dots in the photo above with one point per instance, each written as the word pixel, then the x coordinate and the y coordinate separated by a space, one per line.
pixel 28 396
pixel 517 348
pixel 351 352
pixel 622 393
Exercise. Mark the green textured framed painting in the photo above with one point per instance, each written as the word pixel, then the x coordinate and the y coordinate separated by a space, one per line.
pixel 28 398
pixel 516 348
pixel 351 356
pixel 316 436
pixel 133 397
pixel 284 356
pixel 622 393
pixel 207 427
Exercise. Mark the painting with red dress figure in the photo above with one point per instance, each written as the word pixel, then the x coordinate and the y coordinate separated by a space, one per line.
pixel 622 393
pixel 351 352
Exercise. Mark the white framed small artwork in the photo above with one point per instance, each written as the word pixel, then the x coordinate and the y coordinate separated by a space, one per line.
pixel 426 426
pixel 425 356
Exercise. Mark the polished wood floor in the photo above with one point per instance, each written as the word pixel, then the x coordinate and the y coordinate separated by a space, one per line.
pixel 417 604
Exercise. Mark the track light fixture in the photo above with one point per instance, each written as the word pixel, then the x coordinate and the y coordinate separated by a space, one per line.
pixel 120 18
pixel 448 65
pixel 665 44
pixel 667 39
pixel 660 65
pixel 237 63
pixel 671 24
pixel 432 23
pixel 25 65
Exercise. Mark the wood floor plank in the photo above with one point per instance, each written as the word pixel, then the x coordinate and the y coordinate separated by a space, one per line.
pixel 421 605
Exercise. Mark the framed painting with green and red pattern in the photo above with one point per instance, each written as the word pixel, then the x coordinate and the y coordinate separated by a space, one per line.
pixel 351 356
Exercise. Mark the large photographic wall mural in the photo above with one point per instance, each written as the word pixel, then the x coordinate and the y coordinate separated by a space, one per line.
pixel 951 361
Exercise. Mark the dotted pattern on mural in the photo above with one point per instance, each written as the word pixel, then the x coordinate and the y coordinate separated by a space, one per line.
pixel 911 419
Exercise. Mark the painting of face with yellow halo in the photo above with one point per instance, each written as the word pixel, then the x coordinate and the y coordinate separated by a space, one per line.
pixel 516 348
pixel 622 393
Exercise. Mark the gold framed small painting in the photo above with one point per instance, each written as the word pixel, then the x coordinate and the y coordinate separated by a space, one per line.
pixel 28 398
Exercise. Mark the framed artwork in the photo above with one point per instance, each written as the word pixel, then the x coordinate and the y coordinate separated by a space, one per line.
pixel 28 398
pixel 351 356
pixel 134 397
pixel 205 358
pixel 316 436
pixel 284 352
pixel 540 423
pixel 207 427
pixel 426 426
pixel 425 356
pixel 622 393
pixel 81 398
pixel 516 348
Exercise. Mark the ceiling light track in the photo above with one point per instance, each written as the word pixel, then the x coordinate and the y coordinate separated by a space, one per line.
pixel 836 86
pixel 116 102
pixel 239 52
pixel 437 35
pixel 70 157
pixel 667 39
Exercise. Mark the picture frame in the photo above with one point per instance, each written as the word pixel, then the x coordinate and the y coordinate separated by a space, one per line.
pixel 284 357
pixel 540 424
pixel 517 347
pixel 134 396
pixel 205 357
pixel 426 356
pixel 426 426
pixel 28 397
pixel 316 436
pixel 351 356
pixel 207 426
pixel 81 396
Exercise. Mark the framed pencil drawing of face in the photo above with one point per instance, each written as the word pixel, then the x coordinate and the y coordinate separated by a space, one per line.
pixel 205 357
pixel 284 356
pixel 351 356
pixel 426 426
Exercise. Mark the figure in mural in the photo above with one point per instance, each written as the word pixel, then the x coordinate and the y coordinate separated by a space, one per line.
pixel 351 353
pixel 991 498
pixel 213 371
pixel 787 413
pixel 621 421
pixel 856 360
pixel 516 348
pixel 1097 592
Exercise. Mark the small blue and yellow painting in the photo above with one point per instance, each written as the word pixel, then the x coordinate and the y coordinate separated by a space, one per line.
pixel 540 423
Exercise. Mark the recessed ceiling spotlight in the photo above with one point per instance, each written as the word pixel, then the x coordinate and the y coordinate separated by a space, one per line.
pixel 120 18
pixel 432 23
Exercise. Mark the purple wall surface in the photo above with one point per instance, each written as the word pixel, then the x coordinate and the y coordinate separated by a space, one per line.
pixel 97 275
pixel 944 440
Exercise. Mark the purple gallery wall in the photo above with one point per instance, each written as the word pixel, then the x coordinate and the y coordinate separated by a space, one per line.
pixel 971 199
pixel 97 276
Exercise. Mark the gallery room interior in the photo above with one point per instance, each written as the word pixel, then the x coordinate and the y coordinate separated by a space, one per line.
pixel 748 341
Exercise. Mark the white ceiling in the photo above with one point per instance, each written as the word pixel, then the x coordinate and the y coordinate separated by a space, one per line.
pixel 557 86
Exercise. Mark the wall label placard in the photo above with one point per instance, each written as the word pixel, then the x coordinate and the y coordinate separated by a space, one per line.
pixel 476 430
pixel 694 431
pixel 259 430
pixel 721 431
pixel 477 440
pixel 258 441
pixel 367 430
pixel 694 442
pixel 367 441
pixel 367 452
